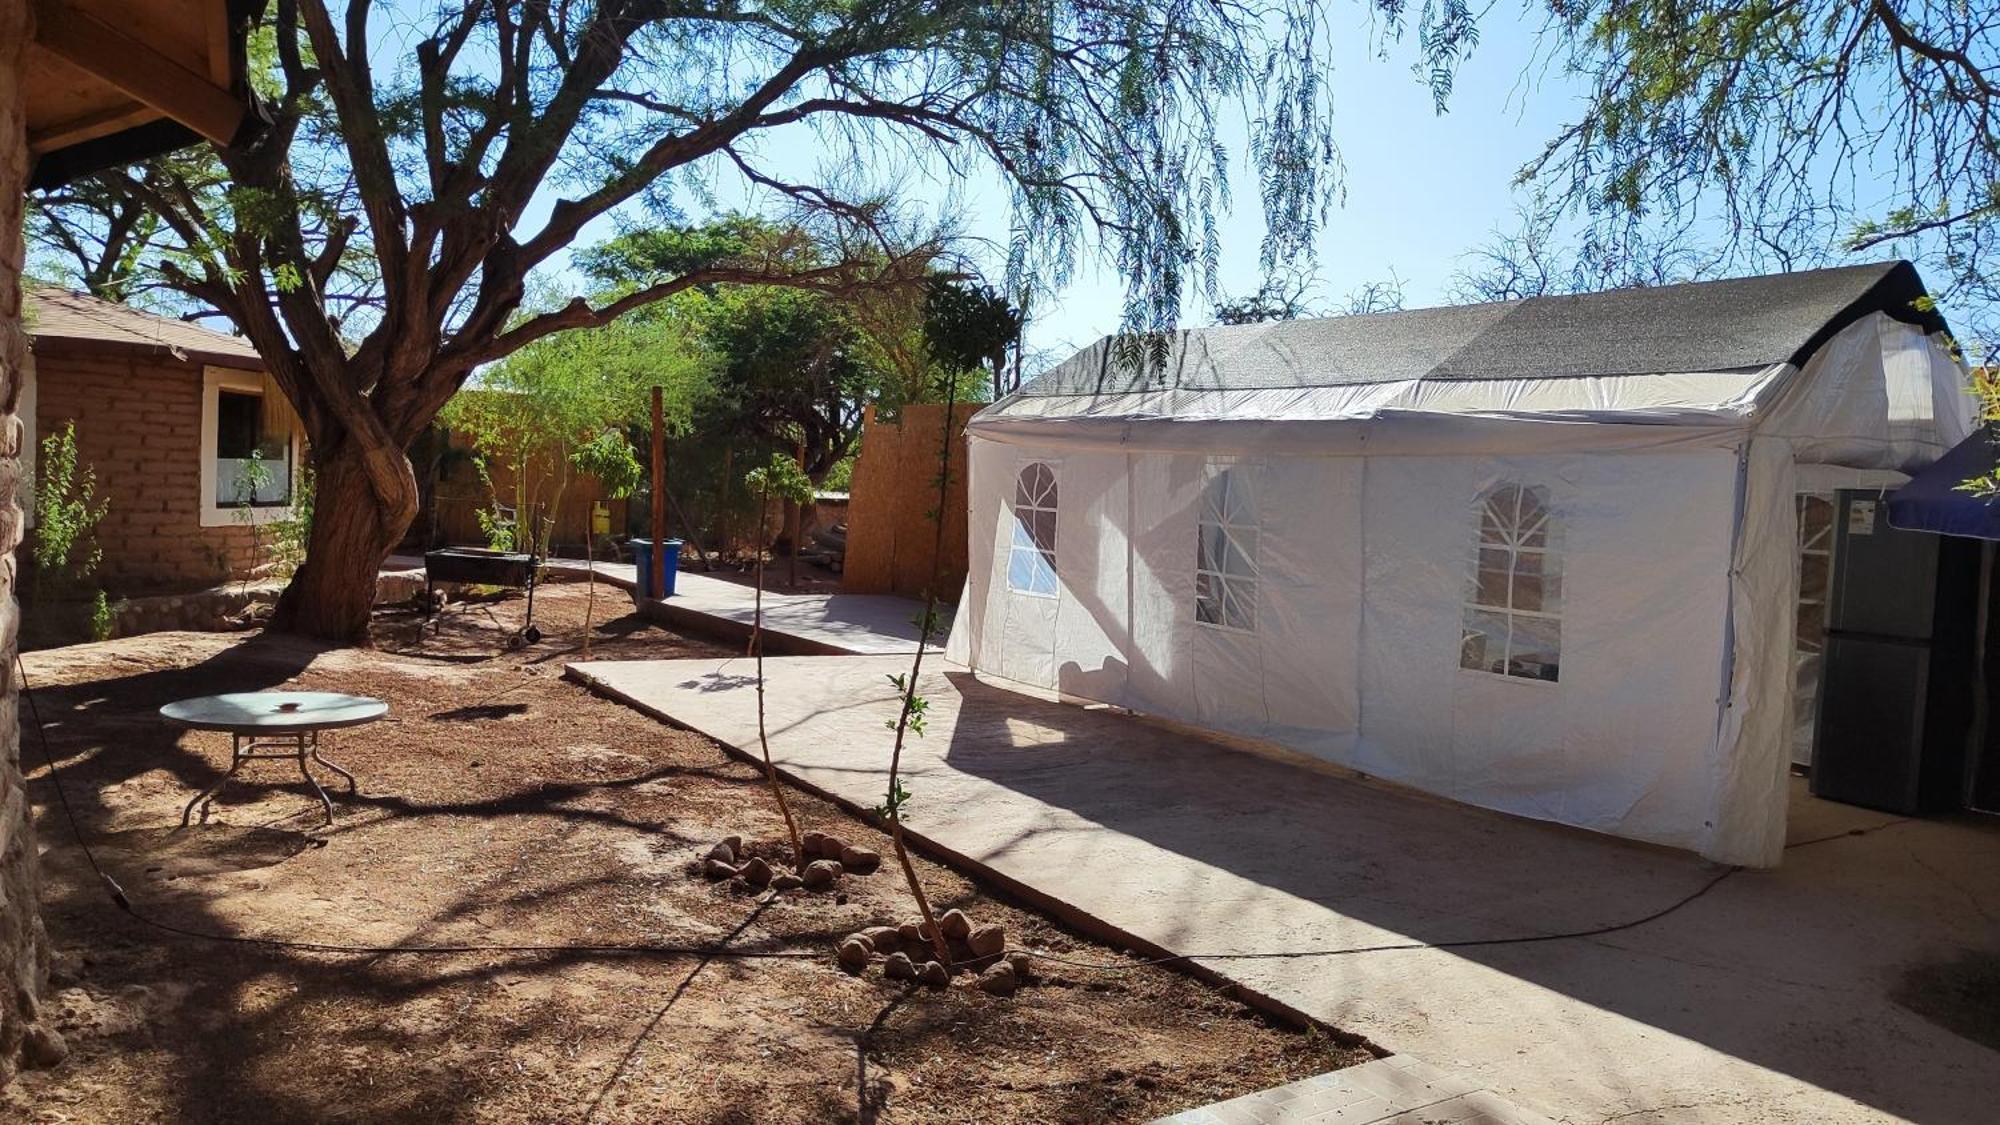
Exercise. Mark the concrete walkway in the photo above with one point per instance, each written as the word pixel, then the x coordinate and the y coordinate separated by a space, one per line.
pixel 1769 997
pixel 797 624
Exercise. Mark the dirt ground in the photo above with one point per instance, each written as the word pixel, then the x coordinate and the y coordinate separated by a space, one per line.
pixel 503 806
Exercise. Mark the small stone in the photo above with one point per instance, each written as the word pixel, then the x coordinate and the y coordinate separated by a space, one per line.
pixel 786 881
pixel 811 842
pixel 42 1048
pixel 911 933
pixel 898 966
pixel 934 974
pixel 853 954
pixel 955 924
pixel 986 941
pixel 734 844
pixel 831 846
pixel 861 861
pixel 884 939
pixel 716 869
pixel 723 852
pixel 820 874
pixel 999 979
pixel 65 968
pixel 1021 960
pixel 757 873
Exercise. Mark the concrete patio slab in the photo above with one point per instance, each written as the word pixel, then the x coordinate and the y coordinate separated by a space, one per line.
pixel 794 624
pixel 797 624
pixel 1767 996
pixel 1398 1090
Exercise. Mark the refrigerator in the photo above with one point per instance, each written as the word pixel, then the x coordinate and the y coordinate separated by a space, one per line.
pixel 1898 700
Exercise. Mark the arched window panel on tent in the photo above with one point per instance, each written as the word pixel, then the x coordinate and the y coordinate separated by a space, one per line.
pixel 1513 601
pixel 1031 558
pixel 1225 580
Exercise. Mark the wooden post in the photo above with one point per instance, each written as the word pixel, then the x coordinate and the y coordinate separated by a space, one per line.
pixel 798 526
pixel 659 494
pixel 728 483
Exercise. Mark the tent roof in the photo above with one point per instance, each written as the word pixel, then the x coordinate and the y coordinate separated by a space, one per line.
pixel 1741 325
pixel 77 318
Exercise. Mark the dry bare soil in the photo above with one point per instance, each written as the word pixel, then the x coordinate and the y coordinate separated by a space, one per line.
pixel 503 806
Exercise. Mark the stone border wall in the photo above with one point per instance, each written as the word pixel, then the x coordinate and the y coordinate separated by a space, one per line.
pixel 24 944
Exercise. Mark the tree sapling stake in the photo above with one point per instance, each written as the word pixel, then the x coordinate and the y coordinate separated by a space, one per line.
pixel 781 480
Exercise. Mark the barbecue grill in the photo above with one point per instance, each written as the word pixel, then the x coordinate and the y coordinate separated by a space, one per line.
pixel 483 567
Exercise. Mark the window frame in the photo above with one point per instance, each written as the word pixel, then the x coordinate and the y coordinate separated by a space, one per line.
pixel 1227 472
pixel 1550 551
pixel 214 381
pixel 1015 529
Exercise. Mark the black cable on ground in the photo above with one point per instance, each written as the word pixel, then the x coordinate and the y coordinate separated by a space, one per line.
pixel 124 903
pixel 1523 939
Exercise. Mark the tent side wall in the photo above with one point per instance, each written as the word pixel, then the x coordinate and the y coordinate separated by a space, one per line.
pixel 1880 398
pixel 1364 566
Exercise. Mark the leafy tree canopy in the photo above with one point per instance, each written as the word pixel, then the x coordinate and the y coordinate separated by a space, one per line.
pixel 1720 136
pixel 376 242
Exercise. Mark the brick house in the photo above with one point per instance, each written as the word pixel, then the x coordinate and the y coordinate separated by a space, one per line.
pixel 172 417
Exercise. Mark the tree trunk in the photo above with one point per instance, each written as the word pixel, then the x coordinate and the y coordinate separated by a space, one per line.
pixel 353 530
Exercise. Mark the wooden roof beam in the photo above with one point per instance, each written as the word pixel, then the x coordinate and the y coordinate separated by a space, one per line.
pixel 86 42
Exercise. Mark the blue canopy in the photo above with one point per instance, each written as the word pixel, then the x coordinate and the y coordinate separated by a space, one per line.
pixel 1936 499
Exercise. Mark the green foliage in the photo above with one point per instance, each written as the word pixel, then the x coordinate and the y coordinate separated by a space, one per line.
pixel 611 460
pixel 780 479
pixel 1784 135
pixel 67 512
pixel 420 169
pixel 562 406
pixel 968 326
pixel 291 532
pixel 64 546
pixel 894 802
pixel 102 622
pixel 646 257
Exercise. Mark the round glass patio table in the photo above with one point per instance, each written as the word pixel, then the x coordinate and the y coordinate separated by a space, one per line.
pixel 273 725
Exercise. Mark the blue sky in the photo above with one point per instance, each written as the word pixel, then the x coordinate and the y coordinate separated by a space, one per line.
pixel 1422 188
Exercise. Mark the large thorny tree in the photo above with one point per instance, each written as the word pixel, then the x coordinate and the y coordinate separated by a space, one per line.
pixel 1719 136
pixel 376 242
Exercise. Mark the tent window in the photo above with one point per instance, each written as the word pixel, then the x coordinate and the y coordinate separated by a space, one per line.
pixel 1031 560
pixel 1225 574
pixel 1513 602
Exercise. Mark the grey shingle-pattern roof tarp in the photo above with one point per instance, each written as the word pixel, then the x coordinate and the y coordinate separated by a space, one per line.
pixel 1736 325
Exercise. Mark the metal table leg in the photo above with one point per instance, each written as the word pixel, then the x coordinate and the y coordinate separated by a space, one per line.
pixel 352 785
pixel 236 760
pixel 301 747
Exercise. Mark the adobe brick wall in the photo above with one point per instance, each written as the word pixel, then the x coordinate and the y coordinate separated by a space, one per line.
pixel 24 949
pixel 138 423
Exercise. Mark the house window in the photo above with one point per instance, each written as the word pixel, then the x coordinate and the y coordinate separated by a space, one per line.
pixel 1225 575
pixel 250 449
pixel 1513 602
pixel 1031 559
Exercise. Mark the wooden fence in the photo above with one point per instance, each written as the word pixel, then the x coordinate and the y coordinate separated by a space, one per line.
pixel 890 533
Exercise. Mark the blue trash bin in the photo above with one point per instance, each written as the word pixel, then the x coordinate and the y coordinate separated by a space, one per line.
pixel 642 556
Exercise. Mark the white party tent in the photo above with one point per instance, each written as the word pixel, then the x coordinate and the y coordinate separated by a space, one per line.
pixel 1540 556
